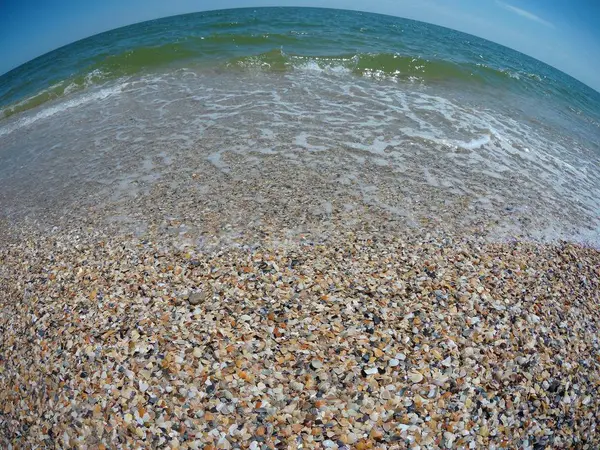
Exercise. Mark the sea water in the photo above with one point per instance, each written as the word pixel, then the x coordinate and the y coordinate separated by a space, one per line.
pixel 438 109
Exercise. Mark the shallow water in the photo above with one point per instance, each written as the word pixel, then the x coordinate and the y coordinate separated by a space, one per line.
pixel 404 136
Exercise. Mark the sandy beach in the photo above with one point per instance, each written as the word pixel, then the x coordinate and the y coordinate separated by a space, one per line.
pixel 233 257
pixel 280 310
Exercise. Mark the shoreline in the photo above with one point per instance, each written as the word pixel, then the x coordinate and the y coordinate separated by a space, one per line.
pixel 232 276
pixel 210 239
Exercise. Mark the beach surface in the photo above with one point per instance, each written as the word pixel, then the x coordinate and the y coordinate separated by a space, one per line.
pixel 301 316
pixel 297 228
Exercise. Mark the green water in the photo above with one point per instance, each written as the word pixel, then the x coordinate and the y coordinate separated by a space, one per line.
pixel 284 39
pixel 443 111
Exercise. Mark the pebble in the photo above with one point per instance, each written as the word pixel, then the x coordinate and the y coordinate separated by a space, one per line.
pixel 295 385
pixel 223 443
pixel 386 395
pixel 289 356
pixel 415 377
pixel 316 364
pixel 197 298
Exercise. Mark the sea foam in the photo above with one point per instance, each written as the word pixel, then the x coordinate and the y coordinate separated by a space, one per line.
pixel 63 106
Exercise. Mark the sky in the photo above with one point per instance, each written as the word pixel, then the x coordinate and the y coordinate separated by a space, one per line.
pixel 562 33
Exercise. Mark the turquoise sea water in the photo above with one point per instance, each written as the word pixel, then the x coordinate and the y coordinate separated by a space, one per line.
pixel 324 78
pixel 282 39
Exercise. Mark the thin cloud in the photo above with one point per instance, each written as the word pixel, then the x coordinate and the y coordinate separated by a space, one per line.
pixel 526 14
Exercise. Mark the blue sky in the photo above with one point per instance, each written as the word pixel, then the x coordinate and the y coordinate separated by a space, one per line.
pixel 562 33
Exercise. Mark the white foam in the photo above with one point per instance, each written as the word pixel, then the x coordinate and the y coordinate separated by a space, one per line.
pixel 474 144
pixel 313 66
pixel 71 88
pixel 93 76
pixel 216 160
pixel 301 140
pixel 14 106
pixel 360 124
pixel 62 106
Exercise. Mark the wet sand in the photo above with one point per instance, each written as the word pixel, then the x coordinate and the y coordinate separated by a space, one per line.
pixel 286 306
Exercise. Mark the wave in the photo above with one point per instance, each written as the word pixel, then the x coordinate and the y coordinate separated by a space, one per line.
pixel 382 65
pixel 106 68
pixel 229 25
pixel 249 39
pixel 56 91
pixel 72 103
pixel 208 51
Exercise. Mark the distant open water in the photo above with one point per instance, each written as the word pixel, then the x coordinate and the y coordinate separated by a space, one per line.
pixel 285 39
pixel 408 84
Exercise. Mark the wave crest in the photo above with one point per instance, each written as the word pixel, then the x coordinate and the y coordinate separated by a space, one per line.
pixel 206 51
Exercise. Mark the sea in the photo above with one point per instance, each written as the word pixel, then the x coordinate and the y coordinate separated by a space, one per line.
pixel 445 111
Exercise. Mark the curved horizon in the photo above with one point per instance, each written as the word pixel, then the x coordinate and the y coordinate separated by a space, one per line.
pixel 591 79
pixel 182 41
pixel 229 229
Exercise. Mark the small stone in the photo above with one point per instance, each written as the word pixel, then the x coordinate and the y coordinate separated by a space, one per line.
pixel 197 297
pixel 371 371
pixel 376 433
pixel 449 438
pixel 439 379
pixel 223 443
pixel 394 362
pixel 351 438
pixel 297 386
pixel 197 352
pixel 316 364
pixel 554 386
pixel 415 377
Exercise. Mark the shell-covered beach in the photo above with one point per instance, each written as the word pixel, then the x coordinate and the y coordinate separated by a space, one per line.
pixel 255 242
pixel 310 327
